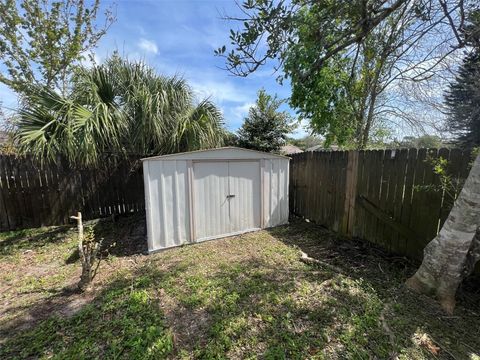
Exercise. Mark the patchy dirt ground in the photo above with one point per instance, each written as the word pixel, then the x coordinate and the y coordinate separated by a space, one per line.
pixel 242 297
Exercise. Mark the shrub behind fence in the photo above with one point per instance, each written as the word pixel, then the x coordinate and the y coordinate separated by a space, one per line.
pixel 389 197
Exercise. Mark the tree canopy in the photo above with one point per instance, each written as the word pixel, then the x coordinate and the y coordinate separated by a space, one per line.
pixel 341 56
pixel 41 41
pixel 120 108
pixel 265 128
pixel 463 95
pixel 425 141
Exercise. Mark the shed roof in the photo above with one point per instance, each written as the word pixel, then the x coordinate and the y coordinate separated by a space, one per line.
pixel 223 153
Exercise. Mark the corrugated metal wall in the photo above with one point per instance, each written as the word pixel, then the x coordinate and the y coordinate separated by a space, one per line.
pixel 275 192
pixel 166 198
pixel 187 200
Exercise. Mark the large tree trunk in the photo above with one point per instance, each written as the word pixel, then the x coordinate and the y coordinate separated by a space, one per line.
pixel 452 254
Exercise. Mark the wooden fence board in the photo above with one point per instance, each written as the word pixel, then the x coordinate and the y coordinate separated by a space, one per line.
pixel 373 192
pixel 397 202
pixel 322 160
pixel 34 194
pixel 391 208
pixel 362 178
pixel 6 216
pixel 383 231
pixel 408 189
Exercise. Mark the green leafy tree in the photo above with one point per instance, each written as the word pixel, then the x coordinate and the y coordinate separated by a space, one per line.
pixel 7 145
pixel 230 139
pixel 340 99
pixel 463 99
pixel 265 128
pixel 341 56
pixel 119 108
pixel 425 141
pixel 270 29
pixel 463 95
pixel 42 41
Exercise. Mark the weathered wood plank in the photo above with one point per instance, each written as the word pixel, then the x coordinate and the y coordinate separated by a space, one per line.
pixel 394 211
pixel 396 201
pixel 34 194
pixel 7 220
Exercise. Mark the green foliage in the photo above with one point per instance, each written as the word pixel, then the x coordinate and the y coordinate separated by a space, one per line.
pixel 122 108
pixel 230 139
pixel 323 101
pixel 42 41
pixel 379 137
pixel 463 95
pixel 336 81
pixel 265 128
pixel 244 297
pixel 449 185
pixel 424 141
pixel 121 324
pixel 7 145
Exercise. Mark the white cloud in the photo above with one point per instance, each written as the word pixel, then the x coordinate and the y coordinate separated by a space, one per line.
pixel 219 91
pixel 241 111
pixel 148 46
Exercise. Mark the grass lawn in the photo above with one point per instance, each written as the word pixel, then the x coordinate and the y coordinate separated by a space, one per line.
pixel 244 297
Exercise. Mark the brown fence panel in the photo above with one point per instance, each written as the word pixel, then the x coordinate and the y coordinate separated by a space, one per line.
pixel 392 198
pixel 34 194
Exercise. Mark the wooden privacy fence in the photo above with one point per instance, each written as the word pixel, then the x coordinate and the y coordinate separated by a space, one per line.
pixel 389 197
pixel 33 195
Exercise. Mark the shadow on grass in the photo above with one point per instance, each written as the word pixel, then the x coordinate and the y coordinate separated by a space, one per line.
pixel 408 315
pixel 252 310
pixel 206 301
pixel 30 239
pixel 246 308
pixel 121 236
pixel 121 321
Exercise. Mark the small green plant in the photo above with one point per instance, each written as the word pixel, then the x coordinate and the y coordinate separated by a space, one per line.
pixel 88 255
pixel 88 248
pixel 449 185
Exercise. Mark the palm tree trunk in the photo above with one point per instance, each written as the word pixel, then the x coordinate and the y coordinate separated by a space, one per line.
pixel 451 255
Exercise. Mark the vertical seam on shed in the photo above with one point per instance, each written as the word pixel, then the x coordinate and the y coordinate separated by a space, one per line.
pixel 190 200
pixel 163 222
pixel 262 200
pixel 176 218
pixel 287 191
pixel 148 210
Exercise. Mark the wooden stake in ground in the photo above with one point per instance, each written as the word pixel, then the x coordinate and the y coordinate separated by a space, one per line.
pixel 88 249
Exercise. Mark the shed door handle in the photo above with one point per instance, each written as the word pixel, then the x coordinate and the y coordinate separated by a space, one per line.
pixel 230 196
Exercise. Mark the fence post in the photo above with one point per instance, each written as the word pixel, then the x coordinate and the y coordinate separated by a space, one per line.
pixel 350 193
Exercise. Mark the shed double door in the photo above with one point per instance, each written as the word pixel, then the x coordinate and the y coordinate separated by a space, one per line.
pixel 226 198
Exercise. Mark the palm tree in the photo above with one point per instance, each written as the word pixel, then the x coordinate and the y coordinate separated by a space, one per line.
pixel 120 108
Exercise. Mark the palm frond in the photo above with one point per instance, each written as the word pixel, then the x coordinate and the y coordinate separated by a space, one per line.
pixel 119 107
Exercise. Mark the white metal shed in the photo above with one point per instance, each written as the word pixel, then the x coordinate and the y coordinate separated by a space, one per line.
pixel 208 194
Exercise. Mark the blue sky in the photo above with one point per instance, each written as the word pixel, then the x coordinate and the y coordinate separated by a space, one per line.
pixel 179 37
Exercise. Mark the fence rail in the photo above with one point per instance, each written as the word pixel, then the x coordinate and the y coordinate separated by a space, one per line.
pixel 375 195
pixel 389 197
pixel 33 195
